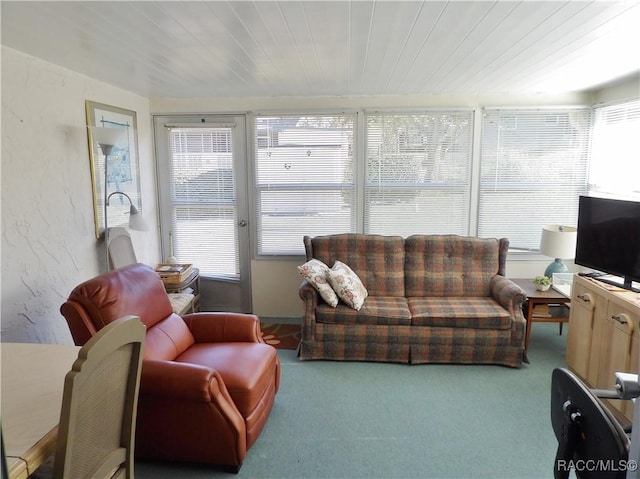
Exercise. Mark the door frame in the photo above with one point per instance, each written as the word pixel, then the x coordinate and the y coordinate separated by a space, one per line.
pixel 217 293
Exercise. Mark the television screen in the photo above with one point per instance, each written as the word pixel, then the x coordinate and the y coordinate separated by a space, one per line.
pixel 609 237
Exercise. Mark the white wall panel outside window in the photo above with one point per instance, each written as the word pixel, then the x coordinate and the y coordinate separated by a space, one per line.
pixel 304 177
pixel 615 164
pixel 533 168
pixel 418 172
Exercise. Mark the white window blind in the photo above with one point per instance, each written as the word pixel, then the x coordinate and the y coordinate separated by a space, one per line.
pixel 203 199
pixel 615 164
pixel 418 172
pixel 304 173
pixel 533 168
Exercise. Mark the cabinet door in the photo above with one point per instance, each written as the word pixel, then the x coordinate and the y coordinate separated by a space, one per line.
pixel 580 331
pixel 622 353
pixel 601 340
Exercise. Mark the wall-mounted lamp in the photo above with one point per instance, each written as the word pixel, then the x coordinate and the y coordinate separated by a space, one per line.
pixel 558 241
pixel 136 220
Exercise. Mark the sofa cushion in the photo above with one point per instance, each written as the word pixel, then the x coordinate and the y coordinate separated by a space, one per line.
pixel 450 265
pixel 461 312
pixel 347 285
pixel 377 260
pixel 315 272
pixel 381 310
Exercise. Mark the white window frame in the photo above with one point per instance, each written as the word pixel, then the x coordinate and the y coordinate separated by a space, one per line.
pixel 616 147
pixel 541 170
pixel 566 214
pixel 339 215
pixel 432 193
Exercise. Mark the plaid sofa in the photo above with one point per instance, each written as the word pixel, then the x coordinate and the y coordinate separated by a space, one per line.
pixel 432 299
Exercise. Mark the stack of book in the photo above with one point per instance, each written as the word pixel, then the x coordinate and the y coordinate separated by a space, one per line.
pixel 541 311
pixel 551 311
pixel 173 274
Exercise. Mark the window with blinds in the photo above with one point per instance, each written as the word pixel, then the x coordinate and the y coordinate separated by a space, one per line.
pixel 418 172
pixel 615 160
pixel 203 199
pixel 304 177
pixel 534 165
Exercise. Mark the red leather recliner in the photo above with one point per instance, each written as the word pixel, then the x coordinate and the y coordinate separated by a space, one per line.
pixel 208 380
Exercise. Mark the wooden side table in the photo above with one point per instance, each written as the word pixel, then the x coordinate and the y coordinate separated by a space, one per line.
pixel 193 282
pixel 541 306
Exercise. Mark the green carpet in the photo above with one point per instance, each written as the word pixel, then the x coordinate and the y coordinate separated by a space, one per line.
pixel 372 420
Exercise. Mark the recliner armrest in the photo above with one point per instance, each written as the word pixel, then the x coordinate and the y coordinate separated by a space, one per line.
pixel 169 379
pixel 224 327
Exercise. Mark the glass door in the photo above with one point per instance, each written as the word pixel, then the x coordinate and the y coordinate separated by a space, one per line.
pixel 203 208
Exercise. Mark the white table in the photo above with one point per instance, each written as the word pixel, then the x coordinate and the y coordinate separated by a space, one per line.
pixel 32 384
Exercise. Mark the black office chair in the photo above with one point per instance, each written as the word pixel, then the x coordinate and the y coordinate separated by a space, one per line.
pixel 590 440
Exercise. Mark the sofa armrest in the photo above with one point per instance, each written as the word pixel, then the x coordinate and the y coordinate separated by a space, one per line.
pixel 224 327
pixel 184 381
pixel 311 299
pixel 508 294
pixel 308 293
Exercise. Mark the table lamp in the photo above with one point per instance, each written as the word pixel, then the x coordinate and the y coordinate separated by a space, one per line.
pixel 559 242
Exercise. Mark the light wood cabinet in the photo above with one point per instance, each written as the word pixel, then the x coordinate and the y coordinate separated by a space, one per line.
pixel 581 332
pixel 620 353
pixel 604 336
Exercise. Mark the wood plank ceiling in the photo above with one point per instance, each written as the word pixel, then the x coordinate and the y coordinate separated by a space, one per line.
pixel 328 48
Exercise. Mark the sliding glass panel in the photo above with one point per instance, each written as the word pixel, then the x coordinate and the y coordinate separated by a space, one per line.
pixel 418 173
pixel 304 175
pixel 615 163
pixel 533 168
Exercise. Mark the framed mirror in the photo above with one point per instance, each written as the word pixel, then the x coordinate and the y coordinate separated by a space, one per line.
pixel 113 151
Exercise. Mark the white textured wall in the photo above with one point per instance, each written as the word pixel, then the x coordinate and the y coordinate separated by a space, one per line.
pixel 48 239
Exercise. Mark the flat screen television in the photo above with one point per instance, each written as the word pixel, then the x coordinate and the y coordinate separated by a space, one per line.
pixel 609 238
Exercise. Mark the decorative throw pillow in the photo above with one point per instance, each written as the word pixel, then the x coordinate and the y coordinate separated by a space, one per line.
pixel 347 285
pixel 315 271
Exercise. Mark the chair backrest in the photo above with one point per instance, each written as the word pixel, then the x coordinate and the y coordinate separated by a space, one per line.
pixel 120 248
pixel 135 289
pixel 121 253
pixel 452 265
pixel 97 421
pixel 587 432
pixel 377 260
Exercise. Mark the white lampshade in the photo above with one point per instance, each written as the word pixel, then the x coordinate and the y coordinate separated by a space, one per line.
pixel 136 220
pixel 106 136
pixel 558 241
